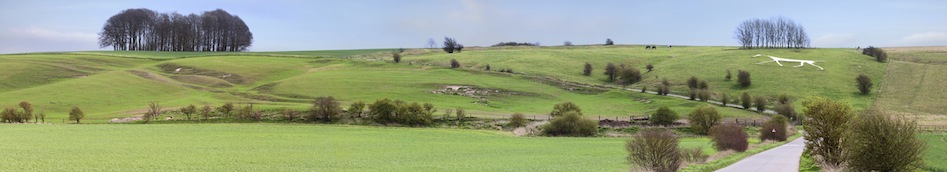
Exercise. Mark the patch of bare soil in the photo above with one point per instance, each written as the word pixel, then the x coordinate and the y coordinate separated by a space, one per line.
pixel 172 68
pixel 530 129
pixel 126 119
pixel 147 75
pixel 481 94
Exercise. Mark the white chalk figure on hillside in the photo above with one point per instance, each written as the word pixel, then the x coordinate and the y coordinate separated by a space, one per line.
pixel 801 62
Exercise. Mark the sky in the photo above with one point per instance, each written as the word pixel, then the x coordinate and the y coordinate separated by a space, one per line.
pixel 284 25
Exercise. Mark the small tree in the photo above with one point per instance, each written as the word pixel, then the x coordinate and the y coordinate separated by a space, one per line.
pixel 518 120
pixel 571 124
pixel 587 71
pixel 76 114
pixel 864 83
pixel 876 52
pixel 655 150
pixel 9 115
pixel 383 111
pixel 664 90
pixel 728 75
pixel 454 63
pixel 664 116
pixel 729 136
pixel 487 68
pixel 760 103
pixel 460 115
pixel 396 56
pixel 154 109
pixel 609 42
pixel 188 110
pixel 205 112
pixel 611 71
pixel 649 67
pixel 42 116
pixel 562 108
pixel 774 129
pixel 703 118
pixel 449 45
pixel 27 111
pixel 356 108
pixel 567 43
pixel 881 142
pixel 704 94
pixel 745 100
pixel 702 84
pixel 724 98
pixel 692 82
pixel 825 124
pixel 743 77
pixel 326 108
pixel 291 115
pixel 226 109
pixel 785 109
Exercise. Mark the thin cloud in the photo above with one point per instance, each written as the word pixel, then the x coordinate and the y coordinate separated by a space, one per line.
pixel 834 40
pixel 927 38
pixel 52 35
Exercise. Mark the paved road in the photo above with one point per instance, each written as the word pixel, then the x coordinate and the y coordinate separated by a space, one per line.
pixel 782 158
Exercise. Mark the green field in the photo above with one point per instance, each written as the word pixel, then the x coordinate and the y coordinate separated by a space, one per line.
pixel 914 84
pixel 934 158
pixel 283 147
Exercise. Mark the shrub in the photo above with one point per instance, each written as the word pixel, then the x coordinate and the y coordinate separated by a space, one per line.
pixel 630 76
pixel 571 124
pixel 9 115
pixel 692 95
pixel 664 116
pixel 518 120
pixel 611 71
pixel 154 109
pixel 724 99
pixel 649 67
pixel 567 43
pixel 205 112
pixel 692 82
pixel 226 109
pixel 728 75
pixel 875 52
pixel 644 88
pixel 774 129
pixel 246 112
pixel 356 108
pixel 745 100
pixel 188 110
pixel 396 56
pixel 325 108
pixel 454 63
pixel 729 136
pixel 387 111
pixel 487 68
pixel 826 121
pixel 704 94
pixel 864 83
pixel 693 155
pixel 562 108
pixel 609 42
pixel 460 115
pixel 503 44
pixel 663 90
pixel 27 111
pixel 76 114
pixel 783 98
pixel 743 77
pixel 785 109
pixel 449 45
pixel 383 111
pixel 760 104
pixel 703 118
pixel 587 71
pixel 879 142
pixel 654 149
pixel 291 115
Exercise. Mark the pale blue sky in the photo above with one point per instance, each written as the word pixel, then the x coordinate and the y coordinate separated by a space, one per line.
pixel 278 25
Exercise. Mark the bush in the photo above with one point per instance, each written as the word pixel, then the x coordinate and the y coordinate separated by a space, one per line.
pixel 450 45
pixel 205 112
pixel 785 109
pixel 226 109
pixel 702 84
pixel 879 142
pixel 487 68
pixel 396 56
pixel 774 129
pixel 454 63
pixel 504 44
pixel 609 42
pixel 291 115
pixel 518 120
pixel 154 109
pixel 729 136
pixel 728 75
pixel 745 100
pixel 10 115
pixel 356 108
pixel 567 43
pixel 693 155
pixel 664 116
pixel 27 112
pixel 571 124
pixel 760 104
pixel 649 67
pixel 664 90
pixel 864 83
pixel 630 76
pixel 703 118
pixel 875 52
pixel 188 110
pixel 692 82
pixel 654 149
pixel 692 95
pixel 386 111
pixel 587 71
pixel 325 108
pixel 724 98
pixel 704 94
pixel 743 77
pixel 826 121
pixel 562 108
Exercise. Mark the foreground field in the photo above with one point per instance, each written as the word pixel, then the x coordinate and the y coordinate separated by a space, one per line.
pixel 280 147
pixel 934 158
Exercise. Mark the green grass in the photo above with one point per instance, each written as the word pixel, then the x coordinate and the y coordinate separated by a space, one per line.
pixel 914 84
pixel 283 147
pixel 934 158
pixel 680 63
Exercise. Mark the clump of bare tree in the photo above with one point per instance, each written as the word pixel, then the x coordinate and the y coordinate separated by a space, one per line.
pixel 777 32
pixel 145 29
pixel 876 52
pixel 451 45
pixel 609 41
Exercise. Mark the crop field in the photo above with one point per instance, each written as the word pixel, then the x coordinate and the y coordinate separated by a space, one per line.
pixel 287 147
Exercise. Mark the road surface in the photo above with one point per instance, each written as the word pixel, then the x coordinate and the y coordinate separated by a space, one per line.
pixel 782 158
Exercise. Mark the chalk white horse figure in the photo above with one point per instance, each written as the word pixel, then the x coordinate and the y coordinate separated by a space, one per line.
pixel 801 62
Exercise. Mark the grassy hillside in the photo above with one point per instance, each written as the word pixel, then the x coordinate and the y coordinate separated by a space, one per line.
pixel 275 147
pixel 914 84
pixel 115 84
pixel 680 63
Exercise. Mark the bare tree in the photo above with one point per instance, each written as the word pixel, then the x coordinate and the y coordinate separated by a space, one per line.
pixel 431 43
pixel 145 29
pixel 777 32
